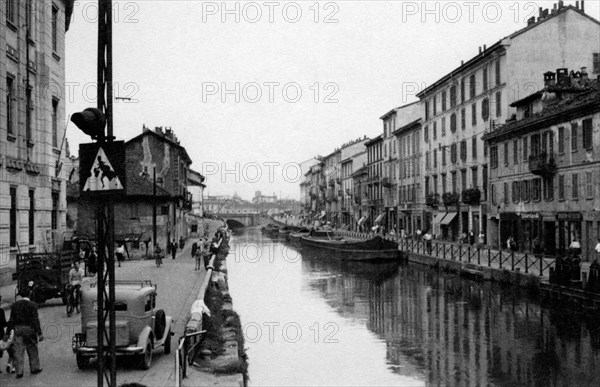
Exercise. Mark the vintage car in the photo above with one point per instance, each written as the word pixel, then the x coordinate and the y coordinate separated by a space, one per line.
pixel 140 326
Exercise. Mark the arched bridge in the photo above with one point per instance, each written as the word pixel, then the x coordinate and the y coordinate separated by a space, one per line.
pixel 243 219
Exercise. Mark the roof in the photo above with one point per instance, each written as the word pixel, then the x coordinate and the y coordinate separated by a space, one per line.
pixel 148 132
pixel 558 112
pixel 360 171
pixel 375 140
pixel 412 125
pixel 386 115
pixel 68 12
pixel 140 186
pixel 499 46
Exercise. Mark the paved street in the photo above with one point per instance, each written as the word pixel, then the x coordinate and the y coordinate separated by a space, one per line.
pixel 178 284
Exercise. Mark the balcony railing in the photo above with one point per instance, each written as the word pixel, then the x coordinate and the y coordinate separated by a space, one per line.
pixel 471 196
pixel 542 164
pixel 432 200
pixel 386 182
pixel 450 198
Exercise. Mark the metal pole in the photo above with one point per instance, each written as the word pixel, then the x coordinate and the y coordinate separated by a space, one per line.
pixel 100 293
pixel 154 205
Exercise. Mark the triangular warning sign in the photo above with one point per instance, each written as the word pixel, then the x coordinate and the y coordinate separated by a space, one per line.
pixel 102 175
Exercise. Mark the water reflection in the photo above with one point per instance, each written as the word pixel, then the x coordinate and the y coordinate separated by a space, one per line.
pixel 436 328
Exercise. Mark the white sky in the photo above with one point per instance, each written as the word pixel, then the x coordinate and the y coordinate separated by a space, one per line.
pixel 169 56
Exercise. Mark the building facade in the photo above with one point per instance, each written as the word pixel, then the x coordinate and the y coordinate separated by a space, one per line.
pixel 411 198
pixel 376 209
pixel 475 98
pixel 32 113
pixel 545 168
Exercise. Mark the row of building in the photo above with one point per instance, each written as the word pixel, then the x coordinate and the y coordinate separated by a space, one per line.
pixel 506 144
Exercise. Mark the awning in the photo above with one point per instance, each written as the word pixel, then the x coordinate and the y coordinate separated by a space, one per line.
pixel 361 220
pixel 438 218
pixel 380 218
pixel 448 218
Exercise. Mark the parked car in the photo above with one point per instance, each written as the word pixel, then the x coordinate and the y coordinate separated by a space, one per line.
pixel 140 326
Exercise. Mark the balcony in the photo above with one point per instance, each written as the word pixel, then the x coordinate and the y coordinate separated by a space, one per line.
pixel 332 183
pixel 471 196
pixel 450 198
pixel 386 182
pixel 542 164
pixel 432 200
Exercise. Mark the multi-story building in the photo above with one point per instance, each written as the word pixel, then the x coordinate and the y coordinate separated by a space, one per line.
pixel 152 153
pixel 360 198
pixel 475 98
pixel 353 157
pixel 196 188
pixel 545 167
pixel 332 178
pixel 32 111
pixel 376 212
pixel 411 198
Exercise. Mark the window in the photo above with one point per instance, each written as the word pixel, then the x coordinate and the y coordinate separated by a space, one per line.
pixel 498 104
pixel 453 154
pixel 11 12
pixel 515 152
pixel 574 183
pixel 426 110
pixel 561 140
pixel 435 184
pixel 472 86
pixel 485 78
pixel 54 215
pixel 484 174
pixel 474 180
pixel 485 109
pixel 536 189
pixel 54 122
pixel 10 125
pixel 28 109
pixel 31 217
pixel 427 189
pixel 462 90
pixel 474 114
pixel 54 29
pixel 561 187
pixel 589 183
pixel 427 160
pixel 443 156
pixel 444 96
pixel 574 137
pixel 13 216
pixel 549 189
pixel 587 134
pixel 525 191
pixel 494 157
pixel 454 182
pixel 426 134
pixel 463 179
pixel 474 147
pixel 525 148
pixel 435 158
pixel 452 96
pixel 453 122
pixel 596 62
pixel 505 193
pixel 494 201
pixel 498 76
pixel 506 154
pixel 434 105
pixel 516 191
pixel 463 150
pixel 444 183
pixel 434 130
pixel 443 126
pixel 535 144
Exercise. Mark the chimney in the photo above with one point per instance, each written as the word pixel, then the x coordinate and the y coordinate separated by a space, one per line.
pixel 549 79
pixel 484 47
pixel 553 9
pixel 562 77
pixel 577 4
pixel 479 49
pixel 531 21
pixel 541 13
pixel 582 6
pixel 584 73
pixel 561 4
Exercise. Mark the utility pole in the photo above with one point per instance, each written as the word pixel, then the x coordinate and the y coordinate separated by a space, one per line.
pixel 154 206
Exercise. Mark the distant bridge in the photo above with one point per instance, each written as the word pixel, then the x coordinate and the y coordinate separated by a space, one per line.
pixel 242 219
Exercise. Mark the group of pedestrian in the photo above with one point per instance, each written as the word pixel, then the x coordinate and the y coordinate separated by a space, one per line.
pixel 201 252
pixel 19 335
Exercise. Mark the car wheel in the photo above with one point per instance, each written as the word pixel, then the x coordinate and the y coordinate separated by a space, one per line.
pixel 160 323
pixel 168 343
pixel 82 361
pixel 146 357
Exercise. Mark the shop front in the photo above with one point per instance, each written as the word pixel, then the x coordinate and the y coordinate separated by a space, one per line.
pixel 569 229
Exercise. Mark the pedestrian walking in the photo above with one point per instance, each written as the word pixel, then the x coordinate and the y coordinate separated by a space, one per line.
pixel 92 262
pixel 25 322
pixel 471 238
pixel 427 237
pixel 158 255
pixel 120 253
pixel 181 243
pixel 173 248
pixel 3 326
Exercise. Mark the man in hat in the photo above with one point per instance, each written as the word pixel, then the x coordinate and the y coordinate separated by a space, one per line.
pixel 25 321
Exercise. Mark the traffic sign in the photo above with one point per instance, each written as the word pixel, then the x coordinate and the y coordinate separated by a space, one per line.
pixel 102 168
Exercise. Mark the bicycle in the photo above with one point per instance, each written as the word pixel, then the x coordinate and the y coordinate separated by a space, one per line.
pixel 72 299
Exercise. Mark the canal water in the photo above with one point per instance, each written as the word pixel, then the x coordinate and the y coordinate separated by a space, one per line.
pixel 312 321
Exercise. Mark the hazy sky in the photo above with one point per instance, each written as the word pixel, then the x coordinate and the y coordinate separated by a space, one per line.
pixel 253 88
